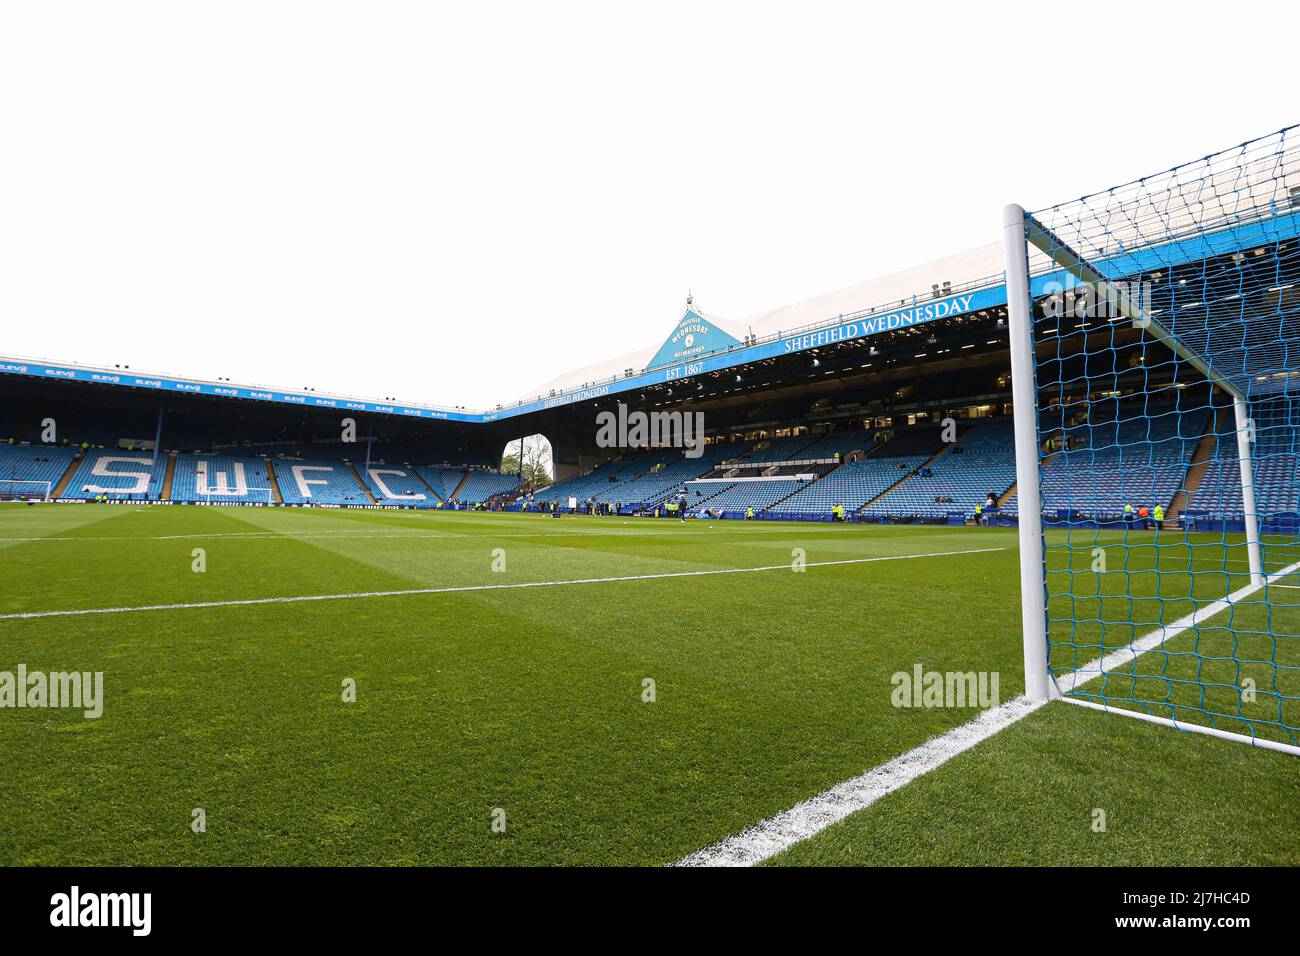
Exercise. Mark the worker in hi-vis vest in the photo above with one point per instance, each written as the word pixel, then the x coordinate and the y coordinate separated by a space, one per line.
pixel 1159 515
pixel 749 513
pixel 979 513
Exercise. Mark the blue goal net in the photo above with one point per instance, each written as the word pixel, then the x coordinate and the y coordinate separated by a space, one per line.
pixel 1162 330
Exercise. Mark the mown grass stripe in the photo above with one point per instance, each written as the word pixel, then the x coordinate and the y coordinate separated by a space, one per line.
pixel 361 595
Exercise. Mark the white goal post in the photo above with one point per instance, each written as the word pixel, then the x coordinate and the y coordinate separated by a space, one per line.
pixel 22 489
pixel 1151 373
pixel 1033 607
pixel 254 495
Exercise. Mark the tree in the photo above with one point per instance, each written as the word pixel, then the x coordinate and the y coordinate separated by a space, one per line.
pixel 537 459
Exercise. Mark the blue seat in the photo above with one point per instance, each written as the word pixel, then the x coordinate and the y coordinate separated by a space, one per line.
pixel 318 482
pixel 121 475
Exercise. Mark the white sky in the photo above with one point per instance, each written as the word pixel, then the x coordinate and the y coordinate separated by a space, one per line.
pixel 454 203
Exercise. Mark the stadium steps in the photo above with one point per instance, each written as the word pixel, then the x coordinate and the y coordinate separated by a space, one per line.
pixel 459 485
pixel 168 475
pixel 57 491
pixel 812 440
pixel 873 451
pixel 1011 492
pixel 357 475
pixel 907 477
pixel 691 506
pixel 1196 469
pixel 877 450
pixel 420 478
pixel 1007 495
pixel 275 482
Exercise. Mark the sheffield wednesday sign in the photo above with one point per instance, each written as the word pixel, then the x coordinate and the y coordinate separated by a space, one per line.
pixel 694 335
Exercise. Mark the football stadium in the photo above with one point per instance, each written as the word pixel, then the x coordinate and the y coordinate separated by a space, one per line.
pixel 995 560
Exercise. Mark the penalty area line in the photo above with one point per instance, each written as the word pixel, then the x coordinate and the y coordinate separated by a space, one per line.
pixel 459 589
pixel 808 818
pixel 769 837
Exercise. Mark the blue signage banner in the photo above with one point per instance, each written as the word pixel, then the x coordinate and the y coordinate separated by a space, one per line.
pixel 697 346
pixel 99 376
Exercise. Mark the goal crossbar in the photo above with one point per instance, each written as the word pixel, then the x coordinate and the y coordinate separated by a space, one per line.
pixel 1056 249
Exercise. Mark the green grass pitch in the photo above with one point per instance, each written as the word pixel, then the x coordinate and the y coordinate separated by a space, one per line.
pixel 770 686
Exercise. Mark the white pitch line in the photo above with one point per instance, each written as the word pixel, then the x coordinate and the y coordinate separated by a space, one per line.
pixel 1072 680
pixel 769 837
pixel 265 535
pixel 782 831
pixel 413 534
pixel 242 602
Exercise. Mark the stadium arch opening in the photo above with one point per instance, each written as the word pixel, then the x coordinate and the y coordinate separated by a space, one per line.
pixel 530 458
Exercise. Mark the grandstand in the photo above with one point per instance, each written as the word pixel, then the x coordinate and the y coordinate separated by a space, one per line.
pixel 1217 496
pixel 856 483
pixel 734 500
pixel 118 475
pixel 220 479
pixel 632 479
pixel 983 460
pixel 785 448
pixel 836 443
pixel 876 473
pixel 1167 450
pixel 32 471
pixel 1123 453
pixel 643 481
pixel 479 486
pixel 397 485
pixel 442 481
pixel 851 485
pixel 319 483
